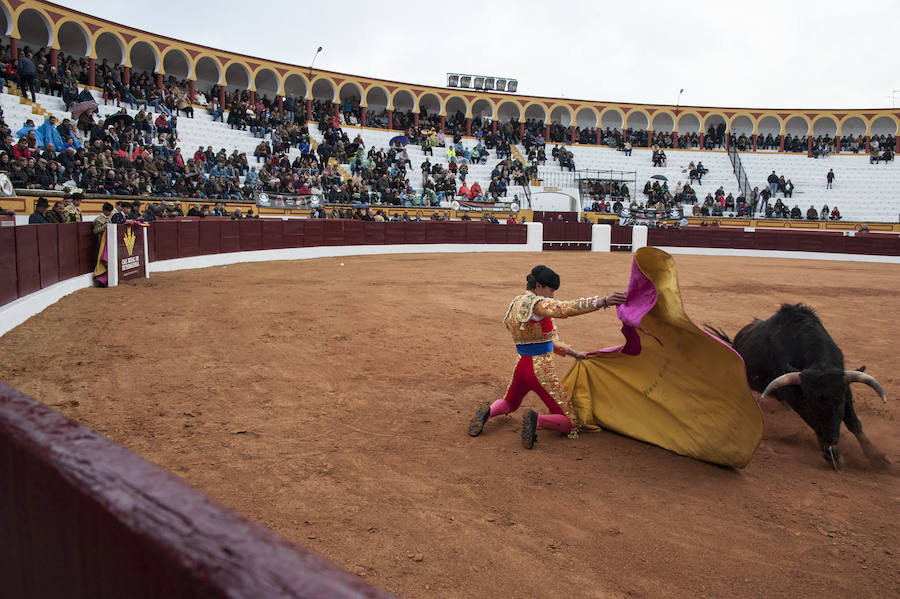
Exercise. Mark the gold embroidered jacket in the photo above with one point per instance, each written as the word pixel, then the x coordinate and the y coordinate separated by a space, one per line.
pixel 73 214
pixel 525 329
pixel 100 224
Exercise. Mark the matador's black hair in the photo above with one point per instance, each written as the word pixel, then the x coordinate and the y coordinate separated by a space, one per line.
pixel 540 274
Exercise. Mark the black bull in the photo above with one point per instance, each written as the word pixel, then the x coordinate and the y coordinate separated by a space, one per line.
pixel 792 356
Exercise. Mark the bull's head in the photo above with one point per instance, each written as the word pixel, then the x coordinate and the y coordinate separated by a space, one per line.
pixel 824 397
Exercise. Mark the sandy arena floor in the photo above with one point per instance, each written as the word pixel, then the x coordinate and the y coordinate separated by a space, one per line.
pixel 330 403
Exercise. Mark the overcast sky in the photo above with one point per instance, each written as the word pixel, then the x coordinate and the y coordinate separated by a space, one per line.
pixel 761 54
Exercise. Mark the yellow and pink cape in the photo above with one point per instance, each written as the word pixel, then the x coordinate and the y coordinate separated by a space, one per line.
pixel 671 384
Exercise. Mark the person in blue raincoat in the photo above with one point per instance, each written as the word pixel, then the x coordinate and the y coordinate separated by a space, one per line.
pixel 23 132
pixel 49 134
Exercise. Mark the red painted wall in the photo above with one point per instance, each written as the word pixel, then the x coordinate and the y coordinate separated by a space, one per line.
pixel 33 257
pixel 876 244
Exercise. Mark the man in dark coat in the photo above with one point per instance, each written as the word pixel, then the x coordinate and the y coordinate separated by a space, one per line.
pixel 39 216
pixel 27 74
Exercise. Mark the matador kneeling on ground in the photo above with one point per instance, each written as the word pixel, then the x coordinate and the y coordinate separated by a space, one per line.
pixel 529 320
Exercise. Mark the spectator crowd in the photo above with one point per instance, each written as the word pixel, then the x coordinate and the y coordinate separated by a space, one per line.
pixel 136 151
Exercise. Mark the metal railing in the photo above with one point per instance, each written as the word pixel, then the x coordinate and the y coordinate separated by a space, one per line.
pixel 557 179
pixel 608 175
pixel 739 172
pixel 527 190
pixel 573 178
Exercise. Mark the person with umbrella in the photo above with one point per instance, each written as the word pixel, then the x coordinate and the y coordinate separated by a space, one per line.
pixel 69 91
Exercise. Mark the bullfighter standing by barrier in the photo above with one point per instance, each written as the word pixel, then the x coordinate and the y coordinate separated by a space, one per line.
pixel 529 320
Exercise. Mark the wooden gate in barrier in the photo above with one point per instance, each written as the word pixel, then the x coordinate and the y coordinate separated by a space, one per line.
pixel 567 236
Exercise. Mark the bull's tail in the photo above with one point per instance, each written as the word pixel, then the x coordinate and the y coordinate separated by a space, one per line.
pixel 713 330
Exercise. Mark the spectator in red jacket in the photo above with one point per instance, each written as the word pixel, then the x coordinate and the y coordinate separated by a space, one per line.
pixel 21 150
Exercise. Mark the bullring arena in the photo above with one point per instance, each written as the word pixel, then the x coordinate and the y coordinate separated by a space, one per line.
pixel 285 388
pixel 323 402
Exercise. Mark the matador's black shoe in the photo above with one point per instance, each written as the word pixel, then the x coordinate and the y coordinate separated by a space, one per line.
pixel 529 429
pixel 476 425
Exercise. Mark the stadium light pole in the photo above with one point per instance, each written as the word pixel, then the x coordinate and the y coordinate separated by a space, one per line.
pixel 678 101
pixel 311 63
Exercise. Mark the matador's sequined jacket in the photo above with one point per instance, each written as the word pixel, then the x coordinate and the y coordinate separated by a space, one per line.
pixel 525 329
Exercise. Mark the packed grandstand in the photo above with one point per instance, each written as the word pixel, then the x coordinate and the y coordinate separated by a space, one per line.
pixel 95 107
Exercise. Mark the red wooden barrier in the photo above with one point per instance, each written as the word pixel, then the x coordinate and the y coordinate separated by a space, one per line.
pixel 250 231
pixel 352 232
pixel 621 236
pixel 48 255
pixel 88 246
pixel 375 233
pixel 27 265
pixel 415 232
pixel 39 256
pixel 83 517
pixel 313 233
pixel 188 238
pixel 517 234
pixel 8 280
pixel 67 256
pixel 567 235
pixel 567 231
pixel 456 233
pixel 333 233
pixel 807 241
pixel 436 232
pixel 164 236
pixel 495 233
pixel 273 234
pixel 229 236
pixel 294 233
pixel 475 232
pixel 395 235
pixel 209 235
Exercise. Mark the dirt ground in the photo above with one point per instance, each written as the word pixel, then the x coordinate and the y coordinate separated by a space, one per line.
pixel 330 403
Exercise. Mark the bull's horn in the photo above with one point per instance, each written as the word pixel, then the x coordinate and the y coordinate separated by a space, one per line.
pixel 855 376
pixel 790 378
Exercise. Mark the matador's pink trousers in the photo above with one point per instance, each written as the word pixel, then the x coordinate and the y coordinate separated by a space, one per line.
pixel 537 373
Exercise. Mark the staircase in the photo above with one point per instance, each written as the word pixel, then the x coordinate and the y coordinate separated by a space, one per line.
pixel 517 154
pixel 36 108
pixel 739 172
pixel 345 174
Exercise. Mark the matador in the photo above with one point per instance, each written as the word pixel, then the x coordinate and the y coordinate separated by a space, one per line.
pixel 529 320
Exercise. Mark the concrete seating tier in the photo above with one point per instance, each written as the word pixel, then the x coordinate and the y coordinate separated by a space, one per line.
pixel 381 139
pixel 192 133
pixel 640 161
pixel 862 191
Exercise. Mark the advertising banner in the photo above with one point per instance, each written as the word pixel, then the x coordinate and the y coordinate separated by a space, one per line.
pixel 126 252
pixel 288 202
pixel 132 261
